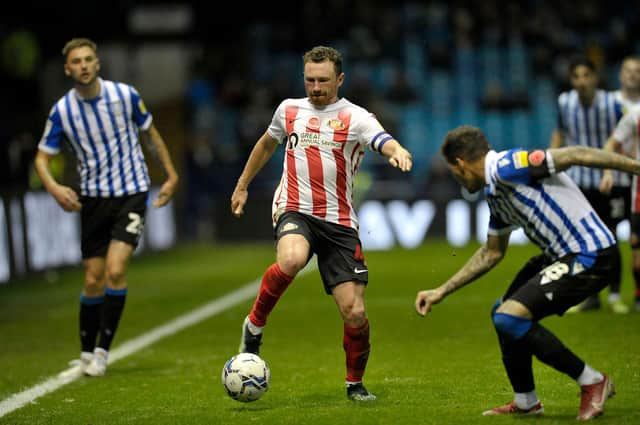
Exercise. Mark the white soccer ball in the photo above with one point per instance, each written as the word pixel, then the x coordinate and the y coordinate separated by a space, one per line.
pixel 246 377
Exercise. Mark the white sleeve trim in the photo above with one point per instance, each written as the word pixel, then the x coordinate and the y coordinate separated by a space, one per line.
pixel 48 149
pixel 550 163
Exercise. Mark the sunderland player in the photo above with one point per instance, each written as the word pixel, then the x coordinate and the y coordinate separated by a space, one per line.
pixel 626 139
pixel 530 190
pixel 586 117
pixel 325 138
pixel 102 122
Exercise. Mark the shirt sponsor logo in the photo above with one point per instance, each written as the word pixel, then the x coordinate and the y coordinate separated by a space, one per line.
pixel 315 139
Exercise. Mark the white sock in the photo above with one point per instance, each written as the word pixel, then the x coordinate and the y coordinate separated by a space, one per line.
pixel 526 401
pixel 589 376
pixel 613 297
pixel 256 330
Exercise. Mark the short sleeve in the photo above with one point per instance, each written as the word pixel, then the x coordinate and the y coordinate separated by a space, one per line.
pixel 140 115
pixel 53 133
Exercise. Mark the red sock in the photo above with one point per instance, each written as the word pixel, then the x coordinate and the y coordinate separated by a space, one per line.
pixel 274 283
pixel 356 347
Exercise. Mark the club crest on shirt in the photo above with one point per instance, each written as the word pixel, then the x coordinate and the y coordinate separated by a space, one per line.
pixel 520 159
pixel 336 124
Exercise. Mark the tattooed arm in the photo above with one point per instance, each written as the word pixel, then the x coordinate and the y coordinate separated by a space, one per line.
pixel 483 260
pixel 564 158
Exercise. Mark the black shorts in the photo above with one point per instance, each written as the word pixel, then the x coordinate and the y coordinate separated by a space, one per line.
pixel 104 219
pixel 635 231
pixel 338 248
pixel 547 288
pixel 612 208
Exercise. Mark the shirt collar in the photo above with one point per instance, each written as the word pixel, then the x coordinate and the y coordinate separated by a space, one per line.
pixel 92 100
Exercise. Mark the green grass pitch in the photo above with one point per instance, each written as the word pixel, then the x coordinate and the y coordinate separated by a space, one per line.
pixel 442 369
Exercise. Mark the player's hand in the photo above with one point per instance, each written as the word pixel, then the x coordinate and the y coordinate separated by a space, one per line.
pixel 238 200
pixel 402 159
pixel 67 198
pixel 606 182
pixel 426 299
pixel 166 193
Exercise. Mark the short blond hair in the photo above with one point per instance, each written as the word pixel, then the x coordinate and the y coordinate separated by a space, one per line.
pixel 78 42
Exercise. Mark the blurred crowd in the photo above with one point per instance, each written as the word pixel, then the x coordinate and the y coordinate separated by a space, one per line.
pixel 421 67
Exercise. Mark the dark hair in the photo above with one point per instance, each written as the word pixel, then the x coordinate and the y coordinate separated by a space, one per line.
pixel 74 43
pixel 577 61
pixel 322 53
pixel 465 142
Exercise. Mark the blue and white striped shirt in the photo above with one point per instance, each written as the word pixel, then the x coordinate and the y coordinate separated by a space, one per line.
pixel 103 133
pixel 552 211
pixel 587 126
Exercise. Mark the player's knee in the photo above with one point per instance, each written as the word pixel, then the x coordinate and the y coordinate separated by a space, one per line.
pixel 514 327
pixel 93 283
pixel 115 276
pixel 93 287
pixel 356 316
pixel 292 263
pixel 353 313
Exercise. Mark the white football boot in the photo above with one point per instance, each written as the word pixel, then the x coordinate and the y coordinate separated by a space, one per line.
pixel 98 365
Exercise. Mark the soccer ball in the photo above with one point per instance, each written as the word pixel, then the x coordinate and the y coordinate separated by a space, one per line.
pixel 246 377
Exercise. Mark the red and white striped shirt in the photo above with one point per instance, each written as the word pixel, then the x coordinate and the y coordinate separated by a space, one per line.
pixel 627 132
pixel 324 148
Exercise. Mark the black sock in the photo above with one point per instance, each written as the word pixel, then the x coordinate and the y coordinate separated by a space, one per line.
pixel 516 357
pixel 548 349
pixel 616 277
pixel 113 306
pixel 636 279
pixel 90 314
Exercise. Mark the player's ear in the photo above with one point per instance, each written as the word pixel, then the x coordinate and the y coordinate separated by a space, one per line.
pixel 97 65
pixel 67 72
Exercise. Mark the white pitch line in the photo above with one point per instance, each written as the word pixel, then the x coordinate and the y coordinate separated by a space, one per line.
pixel 18 400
